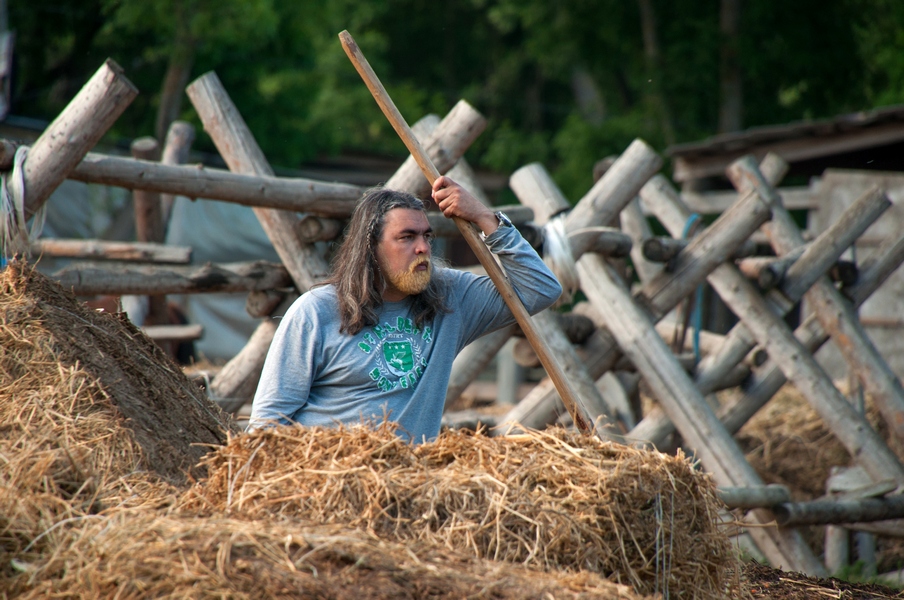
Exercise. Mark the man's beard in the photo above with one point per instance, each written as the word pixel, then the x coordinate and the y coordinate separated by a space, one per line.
pixel 411 281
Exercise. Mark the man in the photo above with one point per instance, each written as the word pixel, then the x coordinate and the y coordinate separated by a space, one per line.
pixel 378 339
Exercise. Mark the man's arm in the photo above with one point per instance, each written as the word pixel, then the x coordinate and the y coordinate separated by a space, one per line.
pixel 532 280
pixel 288 370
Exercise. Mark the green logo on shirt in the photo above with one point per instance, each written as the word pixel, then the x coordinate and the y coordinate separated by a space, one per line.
pixel 399 357
pixel 400 353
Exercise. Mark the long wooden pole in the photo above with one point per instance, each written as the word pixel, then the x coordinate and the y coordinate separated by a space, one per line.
pixel 553 369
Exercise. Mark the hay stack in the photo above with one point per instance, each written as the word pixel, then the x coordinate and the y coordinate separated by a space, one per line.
pixel 92 415
pixel 546 500
pixel 139 554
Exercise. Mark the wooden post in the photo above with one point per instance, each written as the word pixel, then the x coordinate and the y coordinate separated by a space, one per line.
pixel 686 406
pixel 798 365
pixel 75 131
pixel 178 142
pixel 634 223
pixel 833 311
pixel 445 146
pixel 814 259
pixel 236 382
pixel 659 296
pixel 236 144
pixel 766 383
pixel 473 359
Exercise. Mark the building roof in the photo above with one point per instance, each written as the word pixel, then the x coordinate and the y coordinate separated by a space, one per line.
pixel 795 142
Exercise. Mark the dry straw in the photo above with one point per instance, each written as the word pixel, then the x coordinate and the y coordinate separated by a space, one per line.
pixel 142 554
pixel 550 500
pixel 72 382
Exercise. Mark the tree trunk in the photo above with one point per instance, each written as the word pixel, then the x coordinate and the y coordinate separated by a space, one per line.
pixel 731 100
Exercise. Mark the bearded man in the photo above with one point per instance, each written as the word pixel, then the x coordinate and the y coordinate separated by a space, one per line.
pixel 377 340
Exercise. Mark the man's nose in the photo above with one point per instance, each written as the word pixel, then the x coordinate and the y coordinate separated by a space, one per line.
pixel 422 246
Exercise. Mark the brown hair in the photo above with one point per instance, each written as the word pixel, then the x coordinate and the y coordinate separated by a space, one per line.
pixel 356 272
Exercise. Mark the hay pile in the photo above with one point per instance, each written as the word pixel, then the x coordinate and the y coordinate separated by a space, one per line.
pixel 103 493
pixel 549 500
pixel 86 403
pixel 140 554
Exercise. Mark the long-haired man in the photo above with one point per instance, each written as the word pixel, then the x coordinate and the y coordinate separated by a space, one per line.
pixel 378 339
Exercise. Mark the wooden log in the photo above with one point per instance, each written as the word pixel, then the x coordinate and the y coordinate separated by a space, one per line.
pixel 600 205
pixel 765 384
pixel 75 131
pixel 104 250
pixel 196 181
pixel 461 172
pixel 173 333
pixel 824 512
pixel 833 311
pixel 739 342
pixel 311 228
pixel 139 280
pixel 660 296
pixel 149 225
pixel 768 271
pixel 766 496
pixel 606 241
pixel 717 450
pixel 473 359
pixel 263 303
pixel 799 366
pixel 238 148
pixel 445 146
pixel 635 224
pixel 178 142
pixel 148 212
pixel 236 382
pixel 576 327
pixel 662 249
pixel 618 186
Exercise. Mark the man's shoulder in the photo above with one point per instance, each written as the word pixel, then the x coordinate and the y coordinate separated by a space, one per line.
pixel 321 300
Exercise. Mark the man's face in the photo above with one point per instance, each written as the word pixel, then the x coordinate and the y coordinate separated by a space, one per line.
pixel 403 253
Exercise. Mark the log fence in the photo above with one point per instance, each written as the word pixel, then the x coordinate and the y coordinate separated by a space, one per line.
pixel 624 333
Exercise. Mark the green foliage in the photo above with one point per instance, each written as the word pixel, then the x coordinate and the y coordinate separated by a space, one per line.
pixel 564 83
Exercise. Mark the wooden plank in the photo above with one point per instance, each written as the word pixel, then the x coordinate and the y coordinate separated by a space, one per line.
pixel 173 333
pixel 236 382
pixel 794 150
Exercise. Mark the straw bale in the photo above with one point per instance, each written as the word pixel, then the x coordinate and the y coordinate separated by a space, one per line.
pixel 147 554
pixel 549 500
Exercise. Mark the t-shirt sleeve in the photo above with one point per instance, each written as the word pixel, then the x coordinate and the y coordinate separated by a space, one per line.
pixel 289 367
pixel 534 284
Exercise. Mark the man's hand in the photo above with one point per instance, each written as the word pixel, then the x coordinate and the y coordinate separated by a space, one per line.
pixel 456 201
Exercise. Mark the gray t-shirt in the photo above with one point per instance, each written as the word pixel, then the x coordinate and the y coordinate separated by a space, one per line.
pixel 315 375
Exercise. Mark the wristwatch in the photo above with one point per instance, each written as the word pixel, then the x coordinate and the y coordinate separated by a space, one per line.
pixel 504 221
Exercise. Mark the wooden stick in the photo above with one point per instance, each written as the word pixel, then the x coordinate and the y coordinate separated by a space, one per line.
pixel 571 400
pixel 754 497
pixel 236 382
pixel 178 142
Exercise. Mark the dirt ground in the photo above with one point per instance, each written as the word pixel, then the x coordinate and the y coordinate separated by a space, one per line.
pixel 766 582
